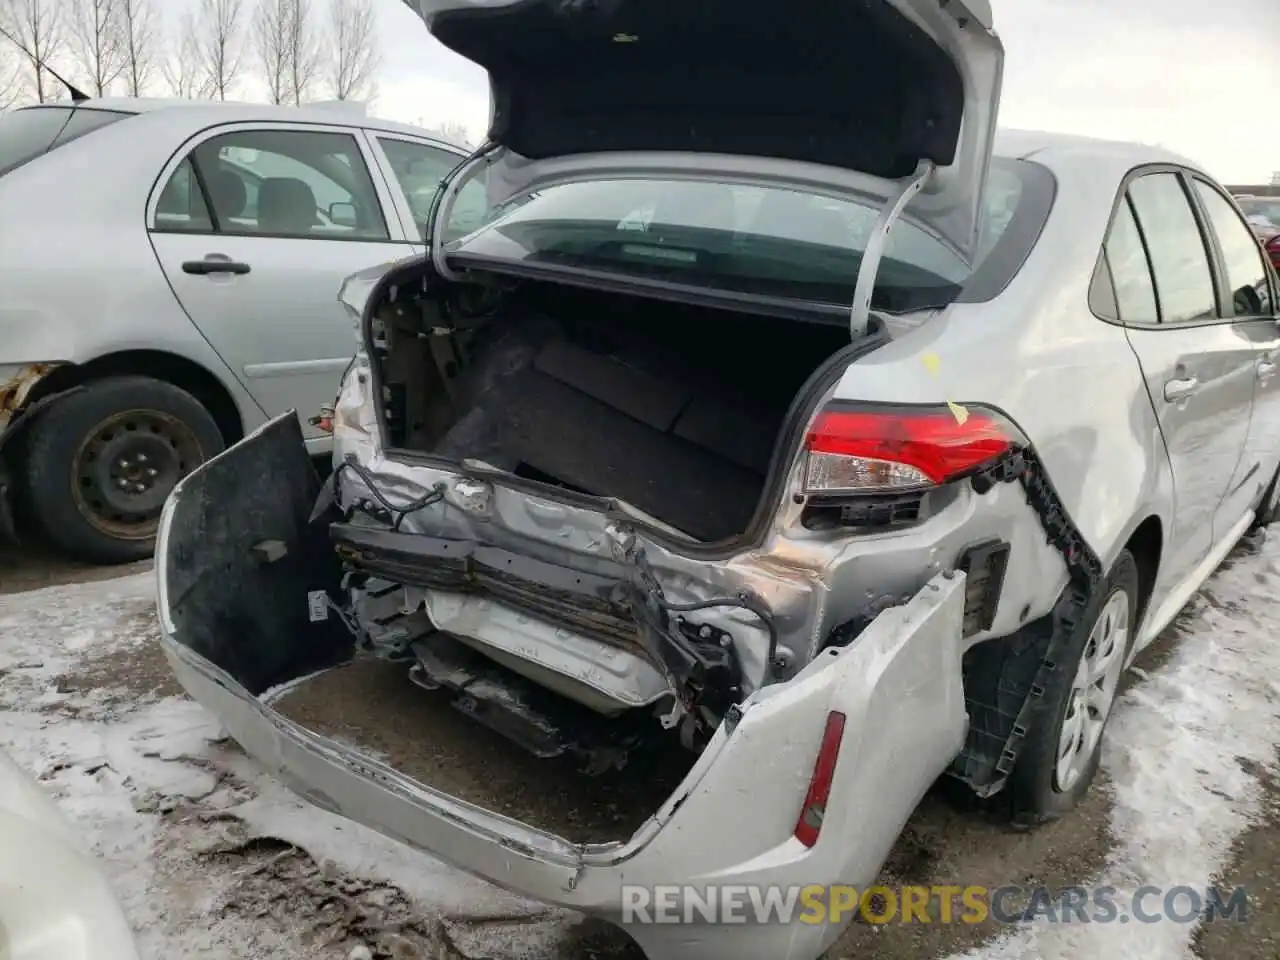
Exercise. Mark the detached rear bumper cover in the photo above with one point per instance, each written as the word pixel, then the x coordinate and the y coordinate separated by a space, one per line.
pixel 236 623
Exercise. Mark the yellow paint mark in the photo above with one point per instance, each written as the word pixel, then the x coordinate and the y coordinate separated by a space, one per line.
pixel 957 411
pixel 932 362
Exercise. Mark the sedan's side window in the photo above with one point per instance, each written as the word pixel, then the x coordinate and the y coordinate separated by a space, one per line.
pixel 1184 281
pixel 1126 260
pixel 282 183
pixel 419 168
pixel 1247 275
pixel 181 206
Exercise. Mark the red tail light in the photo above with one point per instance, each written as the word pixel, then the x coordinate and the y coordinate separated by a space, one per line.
pixel 824 770
pixel 1273 248
pixel 866 449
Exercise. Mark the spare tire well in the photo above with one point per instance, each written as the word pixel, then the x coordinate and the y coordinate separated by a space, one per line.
pixel 167 367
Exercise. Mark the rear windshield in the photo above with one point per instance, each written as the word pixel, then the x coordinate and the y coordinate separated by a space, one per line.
pixel 751 240
pixel 34 131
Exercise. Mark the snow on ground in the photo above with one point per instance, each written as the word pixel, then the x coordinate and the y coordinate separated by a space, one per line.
pixel 213 858
pixel 1183 751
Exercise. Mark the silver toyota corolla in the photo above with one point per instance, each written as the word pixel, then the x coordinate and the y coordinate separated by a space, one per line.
pixel 782 419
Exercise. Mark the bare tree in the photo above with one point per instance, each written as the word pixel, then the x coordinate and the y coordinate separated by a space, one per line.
pixel 270 41
pixel 455 132
pixel 302 44
pixel 182 71
pixel 10 87
pixel 95 42
pixel 34 27
pixel 138 23
pixel 216 31
pixel 355 54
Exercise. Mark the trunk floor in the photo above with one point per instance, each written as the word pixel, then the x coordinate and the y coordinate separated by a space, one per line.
pixel 372 705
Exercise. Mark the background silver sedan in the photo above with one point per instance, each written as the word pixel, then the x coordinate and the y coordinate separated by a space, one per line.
pixel 168 280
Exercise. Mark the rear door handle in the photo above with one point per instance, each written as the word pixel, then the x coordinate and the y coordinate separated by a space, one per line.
pixel 1175 390
pixel 214 264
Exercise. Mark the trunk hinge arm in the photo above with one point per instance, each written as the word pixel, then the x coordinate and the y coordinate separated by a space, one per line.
pixel 453 183
pixel 869 269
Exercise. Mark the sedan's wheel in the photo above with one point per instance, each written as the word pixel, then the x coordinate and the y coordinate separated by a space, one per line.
pixel 102 461
pixel 1060 756
pixel 1092 692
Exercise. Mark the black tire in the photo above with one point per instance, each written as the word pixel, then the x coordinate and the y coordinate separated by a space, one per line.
pixel 1269 508
pixel 81 497
pixel 1036 795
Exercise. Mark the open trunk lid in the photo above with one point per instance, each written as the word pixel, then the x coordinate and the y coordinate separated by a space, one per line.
pixel 854 94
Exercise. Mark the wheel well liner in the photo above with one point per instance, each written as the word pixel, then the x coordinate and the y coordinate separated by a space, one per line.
pixel 170 368
pixel 1146 544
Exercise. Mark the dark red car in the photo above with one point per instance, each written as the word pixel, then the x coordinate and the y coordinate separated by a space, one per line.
pixel 1264 217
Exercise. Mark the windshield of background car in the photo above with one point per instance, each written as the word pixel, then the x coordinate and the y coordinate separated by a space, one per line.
pixel 742 239
pixel 33 132
pixel 1267 208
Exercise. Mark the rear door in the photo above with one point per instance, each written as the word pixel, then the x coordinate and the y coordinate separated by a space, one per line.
pixel 1199 370
pixel 1247 300
pixel 256 228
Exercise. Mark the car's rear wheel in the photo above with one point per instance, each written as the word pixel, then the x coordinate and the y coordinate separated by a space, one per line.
pixel 1064 745
pixel 101 462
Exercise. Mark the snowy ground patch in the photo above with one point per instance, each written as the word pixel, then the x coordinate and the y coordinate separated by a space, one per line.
pixel 209 856
pixel 1183 752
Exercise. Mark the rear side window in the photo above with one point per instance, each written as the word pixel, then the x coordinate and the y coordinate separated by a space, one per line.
pixel 33 132
pixel 1184 282
pixel 1126 258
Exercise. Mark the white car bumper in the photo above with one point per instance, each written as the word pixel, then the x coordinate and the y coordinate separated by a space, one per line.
pixel 55 901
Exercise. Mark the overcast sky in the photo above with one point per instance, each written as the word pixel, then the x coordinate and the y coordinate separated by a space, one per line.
pixel 1200 78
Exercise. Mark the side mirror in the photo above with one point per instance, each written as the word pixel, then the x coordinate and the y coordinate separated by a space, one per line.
pixel 343 214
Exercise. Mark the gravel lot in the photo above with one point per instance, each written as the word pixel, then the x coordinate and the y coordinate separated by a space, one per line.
pixel 213 858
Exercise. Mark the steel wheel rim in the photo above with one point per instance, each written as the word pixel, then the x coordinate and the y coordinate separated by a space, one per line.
pixel 1093 691
pixel 126 466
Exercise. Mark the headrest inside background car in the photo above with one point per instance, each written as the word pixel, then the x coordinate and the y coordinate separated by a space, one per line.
pixel 285 203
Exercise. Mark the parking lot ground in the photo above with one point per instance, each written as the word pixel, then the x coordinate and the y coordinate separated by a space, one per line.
pixel 214 857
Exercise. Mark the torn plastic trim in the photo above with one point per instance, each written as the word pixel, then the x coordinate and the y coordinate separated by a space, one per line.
pixel 869 267
pixel 699 661
pixel 1023 663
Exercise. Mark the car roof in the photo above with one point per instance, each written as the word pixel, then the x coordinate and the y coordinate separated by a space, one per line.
pixel 337 113
pixel 1054 149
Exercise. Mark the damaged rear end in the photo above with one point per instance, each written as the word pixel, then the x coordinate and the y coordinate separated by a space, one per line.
pixel 607 547
pixel 834 759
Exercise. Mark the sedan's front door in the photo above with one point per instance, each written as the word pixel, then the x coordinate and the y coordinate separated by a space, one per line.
pixel 256 229
pixel 1199 371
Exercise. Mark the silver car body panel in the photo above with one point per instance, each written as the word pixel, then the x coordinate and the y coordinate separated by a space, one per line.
pixel 899 687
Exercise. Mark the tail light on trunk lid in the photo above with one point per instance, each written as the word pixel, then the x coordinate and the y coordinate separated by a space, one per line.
pixel 1273 250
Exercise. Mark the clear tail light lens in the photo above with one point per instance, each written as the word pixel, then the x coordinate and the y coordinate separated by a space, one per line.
pixel 854 449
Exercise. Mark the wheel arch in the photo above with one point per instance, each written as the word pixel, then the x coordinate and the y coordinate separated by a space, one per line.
pixel 1146 545
pixel 170 368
